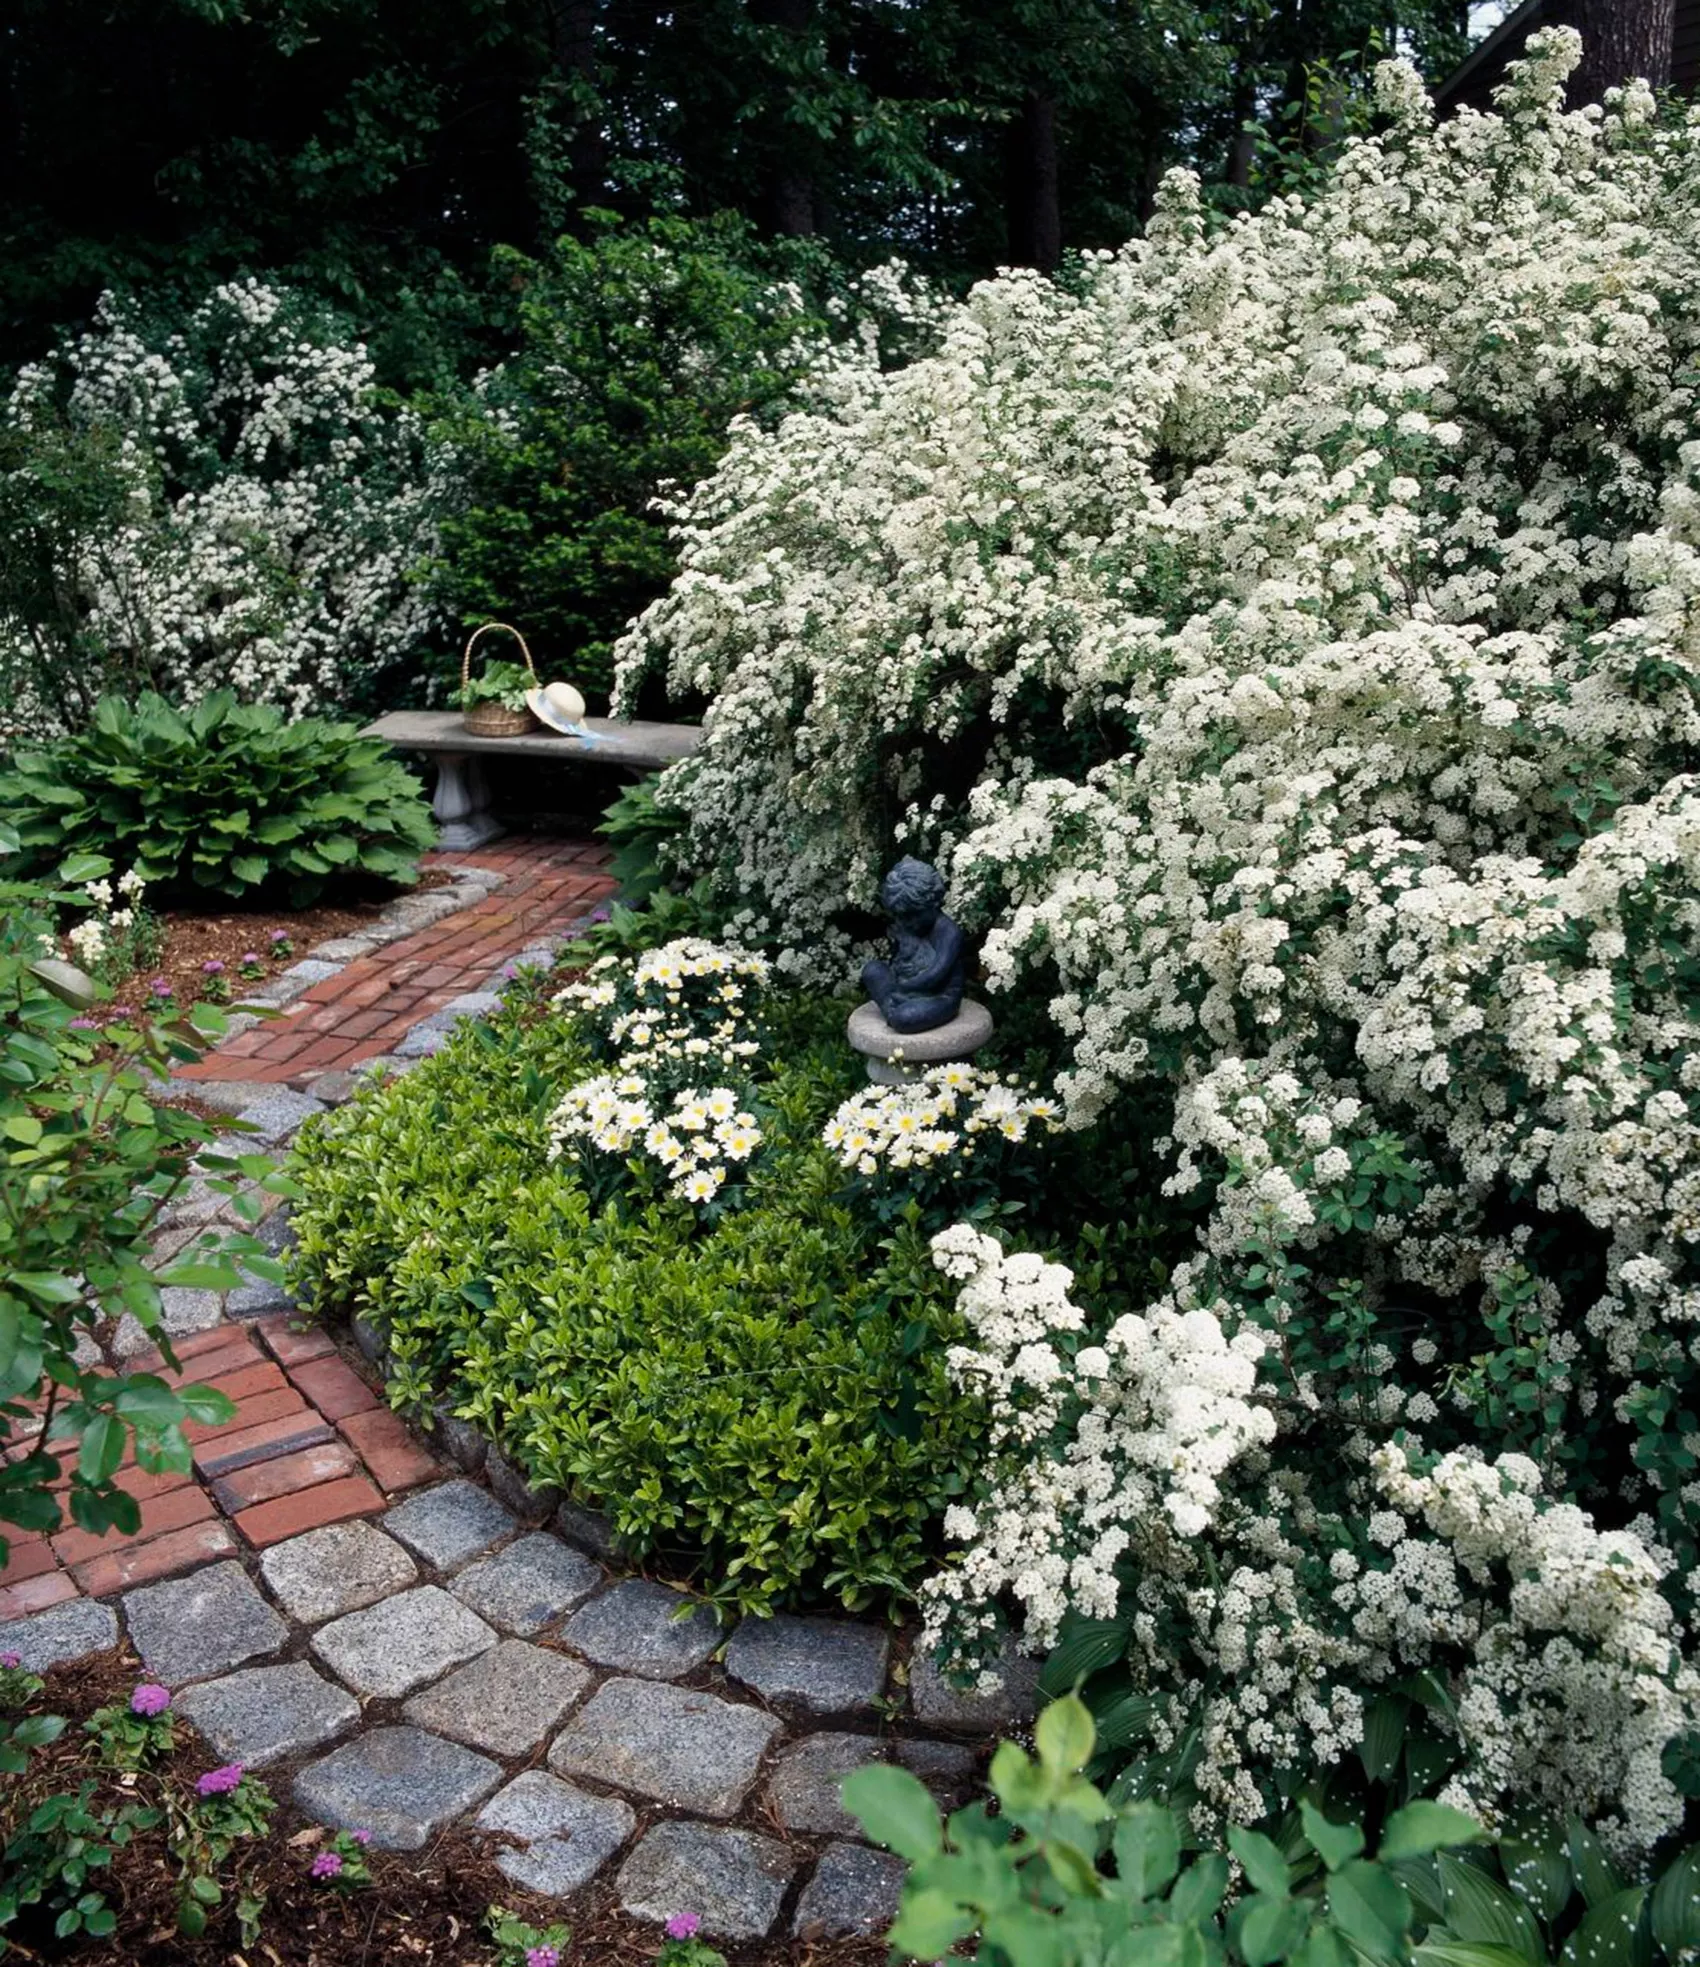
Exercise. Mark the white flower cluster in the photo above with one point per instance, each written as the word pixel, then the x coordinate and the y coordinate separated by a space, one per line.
pixel 102 941
pixel 275 510
pixel 693 1142
pixel 934 1119
pixel 1315 602
pixel 686 1002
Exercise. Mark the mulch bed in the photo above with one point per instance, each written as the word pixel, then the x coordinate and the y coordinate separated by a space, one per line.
pixel 423 1908
pixel 225 932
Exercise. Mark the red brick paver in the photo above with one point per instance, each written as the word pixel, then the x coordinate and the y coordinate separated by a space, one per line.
pixel 373 1002
pixel 309 1444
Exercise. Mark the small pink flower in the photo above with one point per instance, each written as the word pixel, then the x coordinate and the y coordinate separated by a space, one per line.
pixel 9 1660
pixel 212 967
pixel 326 1865
pixel 361 1836
pixel 682 1926
pixel 542 1957
pixel 149 1699
pixel 161 986
pixel 280 935
pixel 84 1024
pixel 216 1782
pixel 250 956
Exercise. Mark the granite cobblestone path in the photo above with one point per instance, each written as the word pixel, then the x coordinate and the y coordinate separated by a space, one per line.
pixel 405 1635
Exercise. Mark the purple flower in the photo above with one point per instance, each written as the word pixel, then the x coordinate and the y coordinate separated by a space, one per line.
pixel 212 967
pixel 10 1660
pixel 121 1010
pixel 326 1865
pixel 216 1782
pixel 361 1836
pixel 511 971
pixel 84 1024
pixel 161 986
pixel 542 1957
pixel 149 1699
pixel 280 935
pixel 682 1925
pixel 601 912
pixel 250 956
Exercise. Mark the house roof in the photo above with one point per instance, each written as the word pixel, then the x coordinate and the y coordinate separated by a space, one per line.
pixel 1475 79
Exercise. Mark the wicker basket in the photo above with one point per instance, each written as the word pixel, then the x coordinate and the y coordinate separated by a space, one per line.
pixel 495 720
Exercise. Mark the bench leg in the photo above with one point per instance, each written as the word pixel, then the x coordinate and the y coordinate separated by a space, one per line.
pixel 460 804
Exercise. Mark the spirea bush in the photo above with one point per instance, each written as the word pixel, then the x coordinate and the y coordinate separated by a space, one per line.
pixel 760 1390
pixel 1288 636
pixel 224 501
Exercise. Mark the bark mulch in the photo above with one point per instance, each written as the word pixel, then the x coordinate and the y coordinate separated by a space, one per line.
pixel 423 1908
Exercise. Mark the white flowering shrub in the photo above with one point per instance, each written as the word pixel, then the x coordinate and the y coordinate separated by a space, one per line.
pixel 259 515
pixel 1287 637
pixel 667 1022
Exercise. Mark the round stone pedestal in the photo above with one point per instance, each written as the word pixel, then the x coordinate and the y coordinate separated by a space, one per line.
pixel 895 1057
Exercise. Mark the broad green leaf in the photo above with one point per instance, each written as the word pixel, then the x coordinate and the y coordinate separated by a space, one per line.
pixel 48 1287
pixel 1086 1647
pixel 1370 1907
pixel 1465 1953
pixel 1072 1869
pixel 1480 1908
pixel 894 1808
pixel 928 1923
pixel 1612 1933
pixel 1064 1735
pixel 1333 1843
pixel 1271 1928
pixel 102 1448
pixel 1425 1826
pixel 75 869
pixel 1536 1861
pixel 147 1401
pixel 1264 1864
pixel 1148 1849
pixel 1676 1904
pixel 1200 1889
pixel 1595 1878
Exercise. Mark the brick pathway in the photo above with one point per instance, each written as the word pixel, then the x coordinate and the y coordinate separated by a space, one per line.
pixel 310 1443
pixel 376 999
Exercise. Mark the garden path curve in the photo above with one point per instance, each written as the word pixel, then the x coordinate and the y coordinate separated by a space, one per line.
pixel 405 1635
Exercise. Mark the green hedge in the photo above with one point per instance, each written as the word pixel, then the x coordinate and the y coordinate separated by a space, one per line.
pixel 767 1392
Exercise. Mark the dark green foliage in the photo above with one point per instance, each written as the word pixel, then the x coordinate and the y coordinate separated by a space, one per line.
pixel 638 347
pixel 768 1390
pixel 90 1163
pixel 226 797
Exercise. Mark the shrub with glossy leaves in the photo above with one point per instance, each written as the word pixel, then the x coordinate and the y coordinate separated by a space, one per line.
pixel 227 798
pixel 765 1390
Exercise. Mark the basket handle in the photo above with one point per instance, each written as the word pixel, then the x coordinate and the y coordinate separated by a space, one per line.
pixel 466 653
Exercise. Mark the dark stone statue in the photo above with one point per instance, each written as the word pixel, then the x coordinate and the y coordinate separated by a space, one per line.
pixel 921 987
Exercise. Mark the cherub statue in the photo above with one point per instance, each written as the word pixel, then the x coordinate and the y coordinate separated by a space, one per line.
pixel 921 987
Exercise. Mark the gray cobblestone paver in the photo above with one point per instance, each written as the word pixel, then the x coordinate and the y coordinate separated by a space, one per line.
pixel 402 1642
pixel 822 1666
pixel 401 1784
pixel 637 1628
pixel 692 1750
pixel 328 1573
pixel 568 1834
pixel 264 1713
pixel 853 1894
pixel 803 1789
pixel 506 1701
pixel 450 1523
pixel 940 1705
pixel 529 1585
pixel 733 1880
pixel 62 1633
pixel 197 1627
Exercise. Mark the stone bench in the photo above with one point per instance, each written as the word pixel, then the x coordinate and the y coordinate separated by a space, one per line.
pixel 461 802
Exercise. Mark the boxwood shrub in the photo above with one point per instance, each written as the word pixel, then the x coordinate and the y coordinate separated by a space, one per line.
pixel 764 1392
pixel 226 798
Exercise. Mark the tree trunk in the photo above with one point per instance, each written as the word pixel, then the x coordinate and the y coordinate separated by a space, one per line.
pixel 788 192
pixel 1621 39
pixel 574 34
pixel 1033 201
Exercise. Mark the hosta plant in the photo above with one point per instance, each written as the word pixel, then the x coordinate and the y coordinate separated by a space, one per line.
pixel 226 798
